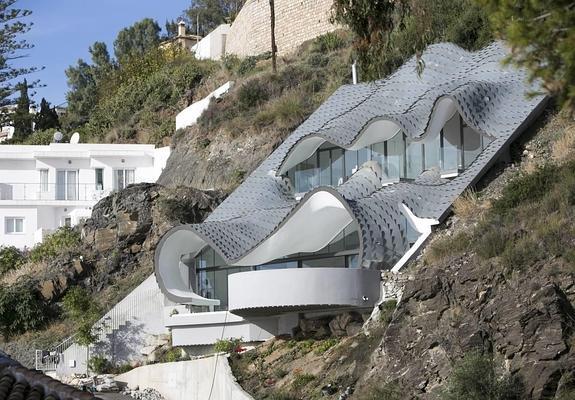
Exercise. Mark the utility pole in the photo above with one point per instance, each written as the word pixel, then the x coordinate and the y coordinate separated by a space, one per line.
pixel 273 36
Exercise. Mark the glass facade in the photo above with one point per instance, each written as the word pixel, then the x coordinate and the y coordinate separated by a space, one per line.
pixel 210 279
pixel 451 151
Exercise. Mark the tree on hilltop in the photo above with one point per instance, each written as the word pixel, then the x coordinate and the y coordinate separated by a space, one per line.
pixel 47 117
pixel 22 119
pixel 137 39
pixel 12 27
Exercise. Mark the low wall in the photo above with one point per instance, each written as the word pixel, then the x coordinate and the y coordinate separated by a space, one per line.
pixel 188 380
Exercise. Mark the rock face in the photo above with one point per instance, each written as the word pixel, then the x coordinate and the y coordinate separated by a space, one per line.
pixel 526 320
pixel 122 234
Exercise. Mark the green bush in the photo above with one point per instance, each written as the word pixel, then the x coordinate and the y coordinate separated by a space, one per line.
pixel 10 258
pixel 325 345
pixel 386 310
pixel 21 309
pixel 474 378
pixel 526 188
pixel 521 253
pixel 252 94
pixel 63 239
pixel 302 380
pixel 246 65
pixel 446 246
pixel 173 354
pixel 80 307
pixel 490 240
pixel 328 42
pixel 279 373
pixel 227 345
pixel 100 365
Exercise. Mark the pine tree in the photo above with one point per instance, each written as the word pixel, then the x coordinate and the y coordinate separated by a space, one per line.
pixel 47 118
pixel 22 119
pixel 12 25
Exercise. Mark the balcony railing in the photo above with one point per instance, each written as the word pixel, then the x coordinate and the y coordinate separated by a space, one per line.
pixel 51 192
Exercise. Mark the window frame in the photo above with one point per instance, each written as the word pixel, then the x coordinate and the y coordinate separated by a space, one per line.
pixel 14 225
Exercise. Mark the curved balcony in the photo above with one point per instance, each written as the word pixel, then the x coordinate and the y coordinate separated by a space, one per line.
pixel 302 289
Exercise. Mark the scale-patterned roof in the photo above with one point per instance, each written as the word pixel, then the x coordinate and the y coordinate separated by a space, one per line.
pixel 17 382
pixel 490 98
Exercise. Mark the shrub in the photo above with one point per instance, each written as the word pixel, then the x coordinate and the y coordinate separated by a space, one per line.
pixel 279 373
pixel 386 310
pixel 474 378
pixel 227 345
pixel 446 246
pixel 252 94
pixel 521 253
pixel 62 240
pixel 328 42
pixel 302 379
pixel 325 345
pixel 526 188
pixel 100 365
pixel 21 309
pixel 10 258
pixel 173 354
pixel 80 307
pixel 246 65
pixel 489 240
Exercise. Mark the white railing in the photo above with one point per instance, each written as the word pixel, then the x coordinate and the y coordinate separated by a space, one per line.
pixel 51 191
pixel 137 303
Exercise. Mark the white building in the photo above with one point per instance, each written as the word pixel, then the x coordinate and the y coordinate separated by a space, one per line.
pixel 212 46
pixel 43 188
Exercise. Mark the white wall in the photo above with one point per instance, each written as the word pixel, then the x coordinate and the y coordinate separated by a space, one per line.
pixel 20 180
pixel 191 114
pixel 188 380
pixel 20 240
pixel 213 46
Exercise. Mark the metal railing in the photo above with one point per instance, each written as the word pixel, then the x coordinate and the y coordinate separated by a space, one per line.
pixel 52 191
pixel 132 306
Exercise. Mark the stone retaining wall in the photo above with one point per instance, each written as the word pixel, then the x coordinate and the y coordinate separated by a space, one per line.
pixel 296 22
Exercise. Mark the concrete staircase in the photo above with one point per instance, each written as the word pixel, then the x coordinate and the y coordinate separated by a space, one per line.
pixel 123 333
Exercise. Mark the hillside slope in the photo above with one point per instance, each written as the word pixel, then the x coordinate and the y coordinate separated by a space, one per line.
pixel 498 279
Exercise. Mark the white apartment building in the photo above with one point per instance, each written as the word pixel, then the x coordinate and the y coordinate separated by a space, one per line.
pixel 43 188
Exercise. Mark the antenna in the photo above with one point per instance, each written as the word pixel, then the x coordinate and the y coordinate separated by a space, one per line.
pixel 58 136
pixel 75 139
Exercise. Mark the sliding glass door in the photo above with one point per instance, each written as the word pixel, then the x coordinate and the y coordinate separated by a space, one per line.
pixel 66 185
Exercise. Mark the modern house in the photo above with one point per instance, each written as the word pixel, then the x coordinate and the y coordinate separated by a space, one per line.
pixel 43 188
pixel 353 191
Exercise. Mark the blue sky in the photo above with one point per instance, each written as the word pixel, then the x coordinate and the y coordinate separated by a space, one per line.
pixel 64 29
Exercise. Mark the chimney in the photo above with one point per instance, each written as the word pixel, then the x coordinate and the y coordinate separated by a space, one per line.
pixel 181 28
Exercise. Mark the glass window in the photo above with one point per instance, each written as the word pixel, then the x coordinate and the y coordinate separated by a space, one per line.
pixel 363 156
pixel 414 160
pixel 329 262
pixel 395 158
pixel 451 144
pixel 14 225
pixel 353 261
pixel 68 222
pixel 337 244
pixel 352 239
pixel 66 185
pixel 99 172
pixel 277 265
pixel 324 168
pixel 432 150
pixel 337 167
pixel 350 163
pixel 306 175
pixel 472 145
pixel 378 154
pixel 205 284
pixel 221 288
pixel 43 180
pixel 123 178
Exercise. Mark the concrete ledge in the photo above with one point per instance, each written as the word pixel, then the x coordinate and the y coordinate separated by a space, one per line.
pixel 188 380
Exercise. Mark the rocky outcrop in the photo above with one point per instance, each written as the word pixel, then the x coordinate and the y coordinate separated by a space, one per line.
pixel 121 236
pixel 526 320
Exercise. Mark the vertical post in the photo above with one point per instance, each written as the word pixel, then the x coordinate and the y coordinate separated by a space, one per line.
pixel 354 72
pixel 273 35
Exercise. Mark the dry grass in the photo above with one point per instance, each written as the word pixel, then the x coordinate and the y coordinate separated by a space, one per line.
pixel 564 148
pixel 468 205
pixel 28 269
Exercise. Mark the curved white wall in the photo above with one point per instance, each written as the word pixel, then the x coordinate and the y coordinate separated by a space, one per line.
pixel 303 288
